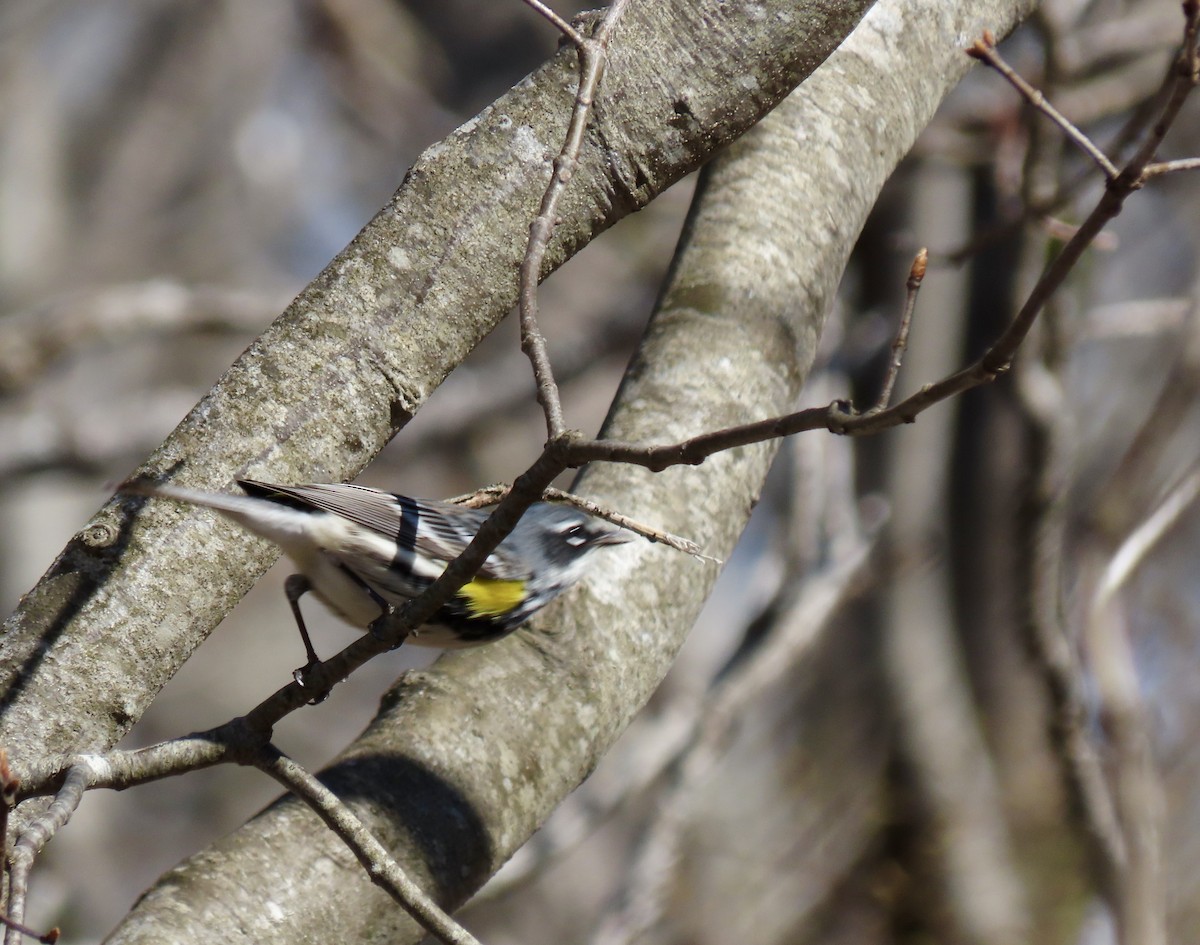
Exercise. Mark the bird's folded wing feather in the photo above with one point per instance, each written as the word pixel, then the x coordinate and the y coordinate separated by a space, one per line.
pixel 436 530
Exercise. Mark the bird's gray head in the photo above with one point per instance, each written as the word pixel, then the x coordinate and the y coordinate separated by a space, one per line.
pixel 563 536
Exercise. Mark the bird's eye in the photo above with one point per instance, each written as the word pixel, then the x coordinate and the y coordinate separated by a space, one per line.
pixel 575 535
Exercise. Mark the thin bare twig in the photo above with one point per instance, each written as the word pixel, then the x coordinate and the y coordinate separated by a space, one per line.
pixel 490 495
pixel 1128 133
pixel 1170 167
pixel 9 786
pixel 32 839
pixel 916 275
pixel 384 871
pixel 1181 79
pixel 1134 549
pixel 984 49
pixel 592 58
pixel 557 21
pixel 1038 209
pixel 48 938
pixel 119 769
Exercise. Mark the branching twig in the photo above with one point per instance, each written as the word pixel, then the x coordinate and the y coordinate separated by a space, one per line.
pixel 32 838
pixel 1130 131
pixel 985 51
pixel 557 21
pixel 839 417
pixel 384 871
pixel 1170 167
pixel 490 495
pixel 237 741
pixel 1182 78
pixel 117 769
pixel 592 57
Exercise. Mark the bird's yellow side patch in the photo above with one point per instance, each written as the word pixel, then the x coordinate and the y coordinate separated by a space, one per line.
pixel 488 597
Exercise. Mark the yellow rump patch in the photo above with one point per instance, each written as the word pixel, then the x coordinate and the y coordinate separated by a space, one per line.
pixel 488 597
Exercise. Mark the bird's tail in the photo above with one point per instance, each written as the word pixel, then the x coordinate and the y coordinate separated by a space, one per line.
pixel 235 505
pixel 268 519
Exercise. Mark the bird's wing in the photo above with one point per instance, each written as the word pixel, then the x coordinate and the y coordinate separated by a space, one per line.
pixel 435 529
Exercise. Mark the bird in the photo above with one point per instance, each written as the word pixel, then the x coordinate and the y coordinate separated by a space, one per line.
pixel 363 551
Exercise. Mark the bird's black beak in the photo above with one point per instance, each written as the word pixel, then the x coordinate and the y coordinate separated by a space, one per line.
pixel 618 536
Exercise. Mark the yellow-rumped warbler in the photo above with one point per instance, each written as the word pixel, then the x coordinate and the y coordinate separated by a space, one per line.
pixel 360 550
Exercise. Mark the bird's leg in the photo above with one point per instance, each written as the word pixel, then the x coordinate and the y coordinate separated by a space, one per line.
pixel 296 586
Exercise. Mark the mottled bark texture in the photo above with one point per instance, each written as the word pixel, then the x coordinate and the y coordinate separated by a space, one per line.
pixel 466 759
